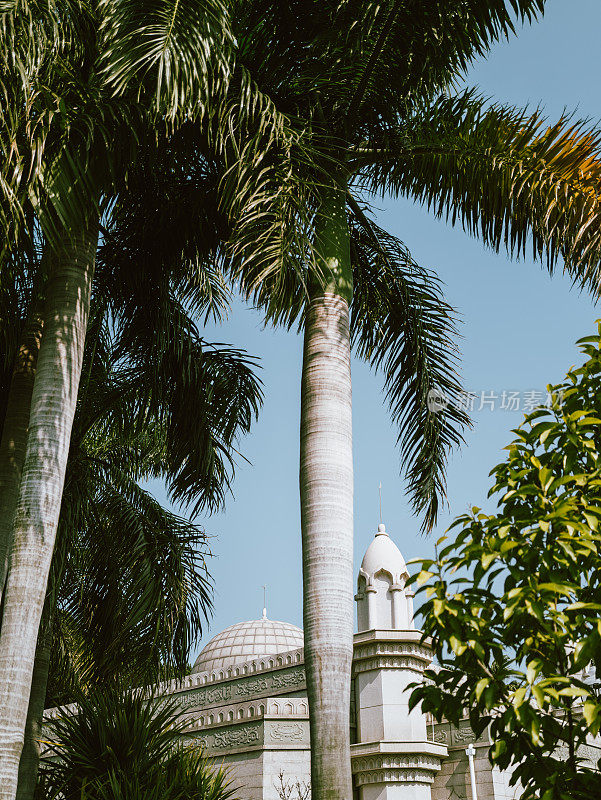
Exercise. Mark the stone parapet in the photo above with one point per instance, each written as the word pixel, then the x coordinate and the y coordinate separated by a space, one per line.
pixel 286 707
pixel 396 762
pixel 257 678
pixel 278 681
pixel 390 649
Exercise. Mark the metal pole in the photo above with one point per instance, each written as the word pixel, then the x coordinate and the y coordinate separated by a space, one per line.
pixel 470 753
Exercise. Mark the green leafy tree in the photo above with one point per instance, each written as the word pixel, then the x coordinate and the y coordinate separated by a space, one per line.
pixel 513 603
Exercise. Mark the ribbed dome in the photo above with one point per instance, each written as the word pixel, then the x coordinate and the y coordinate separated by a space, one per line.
pixel 248 640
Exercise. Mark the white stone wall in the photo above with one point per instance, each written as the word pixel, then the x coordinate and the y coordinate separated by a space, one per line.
pixel 246 772
pixel 384 707
pixel 295 764
pixel 453 780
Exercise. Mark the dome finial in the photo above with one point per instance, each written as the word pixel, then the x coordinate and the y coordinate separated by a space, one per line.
pixel 264 601
pixel 381 530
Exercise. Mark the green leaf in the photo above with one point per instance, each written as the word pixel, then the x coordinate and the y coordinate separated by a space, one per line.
pixel 539 696
pixel 424 576
pixel 482 684
pixel 533 669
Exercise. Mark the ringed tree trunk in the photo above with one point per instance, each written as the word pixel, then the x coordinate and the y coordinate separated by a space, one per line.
pixel 326 492
pixel 30 754
pixel 14 431
pixel 36 519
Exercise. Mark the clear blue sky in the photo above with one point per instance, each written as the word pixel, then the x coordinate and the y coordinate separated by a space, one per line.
pixel 519 328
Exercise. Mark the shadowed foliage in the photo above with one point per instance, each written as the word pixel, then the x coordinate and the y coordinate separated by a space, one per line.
pixel 125 747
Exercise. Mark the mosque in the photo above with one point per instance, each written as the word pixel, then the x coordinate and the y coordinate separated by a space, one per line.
pixel 247 707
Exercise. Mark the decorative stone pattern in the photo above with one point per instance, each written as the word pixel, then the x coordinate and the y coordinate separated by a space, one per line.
pixel 262 732
pixel 287 732
pixel 237 670
pixel 286 707
pixel 412 776
pixel 206 697
pixel 281 733
pixel 395 761
pixel 228 738
pixel 376 655
pixel 252 688
pixel 278 681
pixel 393 768
pixel 449 735
pixel 291 679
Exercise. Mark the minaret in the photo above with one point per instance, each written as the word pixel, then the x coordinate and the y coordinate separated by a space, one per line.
pixel 383 600
pixel 392 759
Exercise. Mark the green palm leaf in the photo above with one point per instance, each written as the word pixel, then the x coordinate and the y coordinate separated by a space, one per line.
pixel 403 327
pixel 181 49
pixel 504 173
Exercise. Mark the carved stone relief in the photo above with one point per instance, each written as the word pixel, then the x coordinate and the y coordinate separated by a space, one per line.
pixel 287 732
pixel 243 687
pixel 230 738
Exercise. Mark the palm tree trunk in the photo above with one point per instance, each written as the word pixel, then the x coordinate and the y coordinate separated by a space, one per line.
pixel 14 431
pixel 52 411
pixel 30 755
pixel 326 484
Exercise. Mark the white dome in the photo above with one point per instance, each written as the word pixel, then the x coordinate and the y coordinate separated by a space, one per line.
pixel 246 641
pixel 383 553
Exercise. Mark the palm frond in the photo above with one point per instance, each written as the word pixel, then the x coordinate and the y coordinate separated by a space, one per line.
pixel 505 174
pixel 179 49
pixel 138 613
pixel 352 63
pixel 188 401
pixel 401 325
pixel 401 51
pixel 128 747
pixel 165 236
pixel 203 398
pixel 268 188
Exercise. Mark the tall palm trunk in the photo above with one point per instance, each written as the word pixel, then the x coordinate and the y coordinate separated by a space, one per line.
pixel 326 489
pixel 14 431
pixel 52 412
pixel 30 755
pixel 12 458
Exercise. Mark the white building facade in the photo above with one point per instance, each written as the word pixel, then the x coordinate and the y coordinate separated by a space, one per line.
pixel 247 706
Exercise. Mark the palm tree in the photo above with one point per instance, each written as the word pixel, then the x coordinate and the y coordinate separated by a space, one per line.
pixel 373 95
pixel 369 84
pixel 137 612
pixel 78 167
pixel 141 79
pixel 22 318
